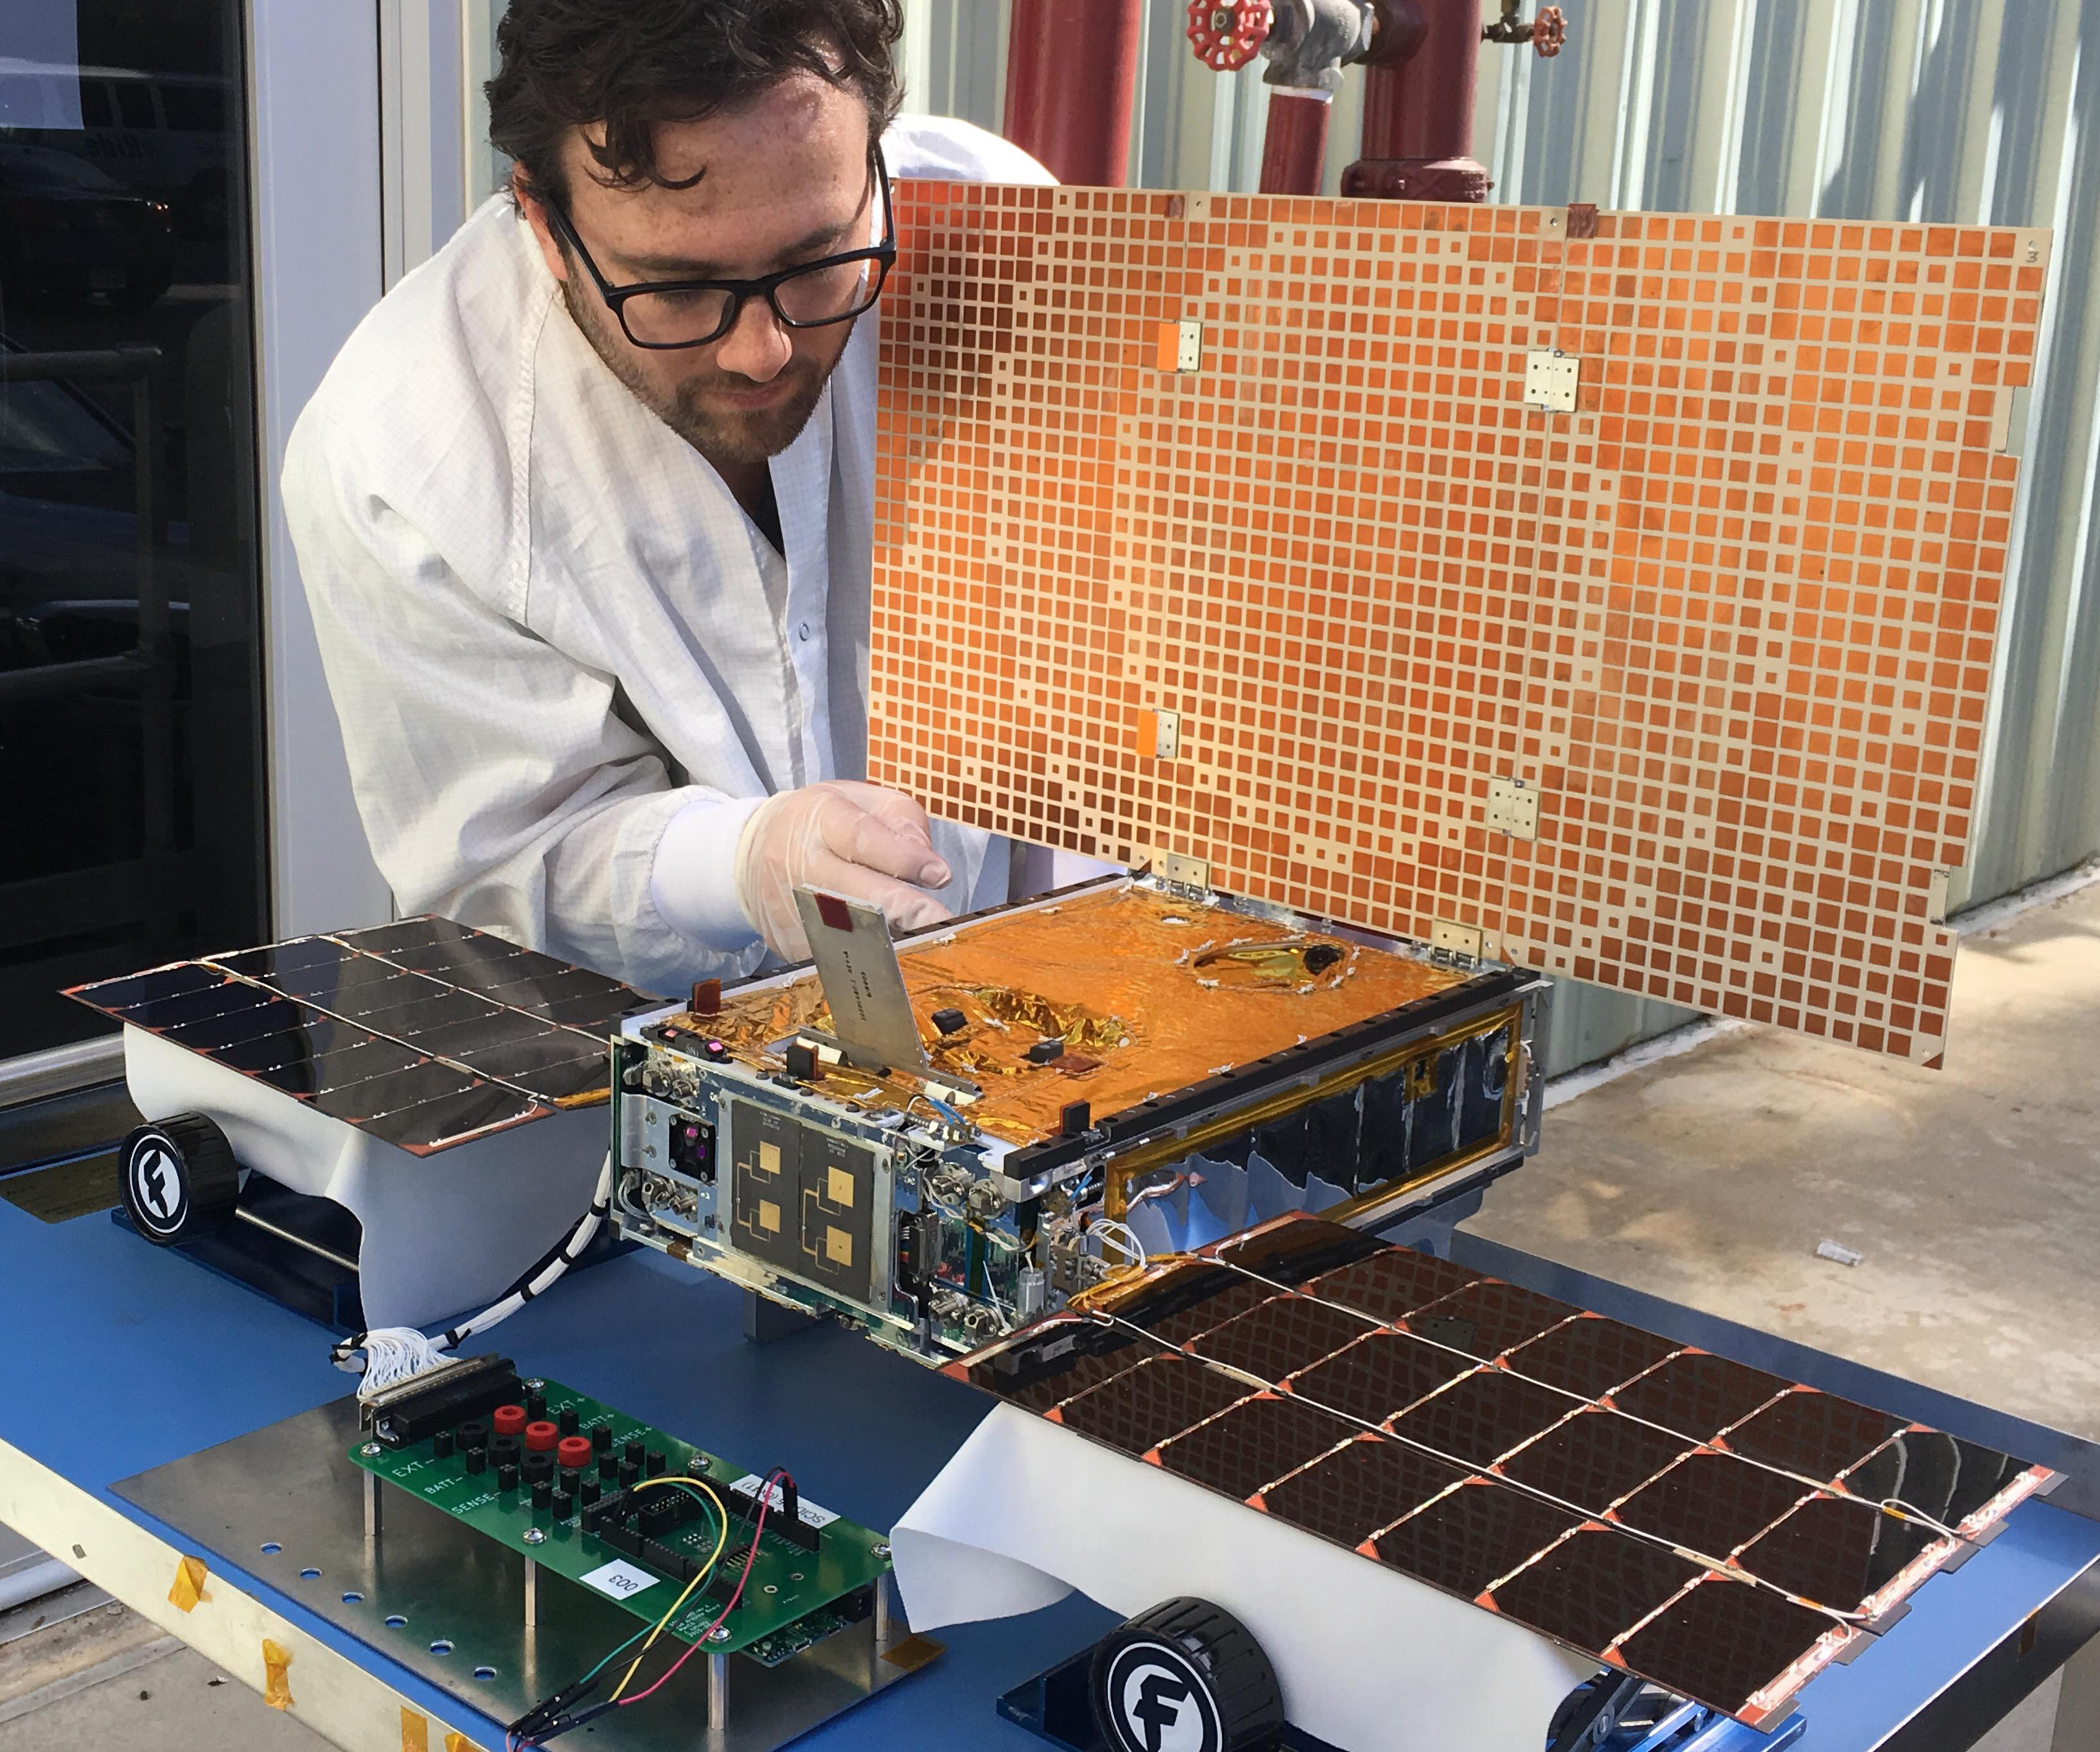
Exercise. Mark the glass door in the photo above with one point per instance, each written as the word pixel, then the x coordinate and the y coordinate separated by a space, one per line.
pixel 131 826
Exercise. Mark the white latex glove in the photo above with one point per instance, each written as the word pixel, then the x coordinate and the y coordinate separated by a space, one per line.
pixel 844 838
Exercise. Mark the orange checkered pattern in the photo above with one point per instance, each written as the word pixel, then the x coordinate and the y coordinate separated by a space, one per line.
pixel 1291 603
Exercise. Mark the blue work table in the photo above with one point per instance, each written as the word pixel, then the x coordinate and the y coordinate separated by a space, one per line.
pixel 119 1357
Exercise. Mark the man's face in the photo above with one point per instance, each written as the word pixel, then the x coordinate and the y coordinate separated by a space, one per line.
pixel 788 180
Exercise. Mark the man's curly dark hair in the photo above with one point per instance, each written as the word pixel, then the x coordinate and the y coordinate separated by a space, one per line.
pixel 618 68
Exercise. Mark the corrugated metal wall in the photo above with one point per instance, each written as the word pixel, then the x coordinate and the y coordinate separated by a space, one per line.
pixel 1976 111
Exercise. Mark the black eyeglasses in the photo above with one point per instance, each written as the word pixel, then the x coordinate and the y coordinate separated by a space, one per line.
pixel 664 313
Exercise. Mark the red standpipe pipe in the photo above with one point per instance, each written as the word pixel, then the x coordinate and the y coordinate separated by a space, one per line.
pixel 1071 75
pixel 1419 111
pixel 1294 146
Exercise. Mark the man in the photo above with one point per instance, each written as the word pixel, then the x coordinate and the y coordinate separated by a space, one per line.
pixel 588 543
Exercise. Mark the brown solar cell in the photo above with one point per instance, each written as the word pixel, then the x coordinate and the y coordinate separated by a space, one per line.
pixel 1593 1586
pixel 1158 1399
pixel 1698 1394
pixel 448 1119
pixel 1278 1336
pixel 1485 1319
pixel 1291 1252
pixel 1482 1416
pixel 1594 1458
pixel 1348 1496
pixel 1377 1377
pixel 402 1091
pixel 1711 1503
pixel 214 1035
pixel 1196 1302
pixel 1391 1283
pixel 219 997
pixel 1838 1553
pixel 1254 1444
pixel 422 1032
pixel 1472 1536
pixel 1590 1356
pixel 557 1066
pixel 1059 1360
pixel 136 992
pixel 1815 1435
pixel 1938 1475
pixel 1724 1641
pixel 405 935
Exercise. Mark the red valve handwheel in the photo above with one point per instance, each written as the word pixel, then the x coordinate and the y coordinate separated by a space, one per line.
pixel 1550 32
pixel 1229 33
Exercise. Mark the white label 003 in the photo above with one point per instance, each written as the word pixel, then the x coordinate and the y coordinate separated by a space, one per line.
pixel 620 1581
pixel 810 1515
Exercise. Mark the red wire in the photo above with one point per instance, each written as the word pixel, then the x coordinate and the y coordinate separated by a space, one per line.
pixel 758 1533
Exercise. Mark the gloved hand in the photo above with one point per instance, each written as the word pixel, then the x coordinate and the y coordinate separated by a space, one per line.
pixel 844 838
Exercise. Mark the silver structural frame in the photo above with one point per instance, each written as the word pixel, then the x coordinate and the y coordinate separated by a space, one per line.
pixel 314 169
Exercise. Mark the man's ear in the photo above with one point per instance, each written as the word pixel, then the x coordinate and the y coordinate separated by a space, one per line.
pixel 535 210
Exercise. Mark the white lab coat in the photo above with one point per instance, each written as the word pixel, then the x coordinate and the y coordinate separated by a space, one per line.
pixel 551 632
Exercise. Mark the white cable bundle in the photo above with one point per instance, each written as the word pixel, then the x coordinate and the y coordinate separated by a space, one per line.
pixel 395 1354
pixel 1104 1229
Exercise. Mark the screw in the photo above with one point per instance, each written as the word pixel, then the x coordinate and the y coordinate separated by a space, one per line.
pixel 534 1536
pixel 880 1548
pixel 371 1449
pixel 536 1386
pixel 719 1634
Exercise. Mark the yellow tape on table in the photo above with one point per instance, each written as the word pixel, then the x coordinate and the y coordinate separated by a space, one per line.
pixel 276 1681
pixel 188 1589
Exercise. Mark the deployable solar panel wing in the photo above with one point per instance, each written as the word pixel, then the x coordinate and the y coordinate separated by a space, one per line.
pixel 1719 1530
pixel 423 1033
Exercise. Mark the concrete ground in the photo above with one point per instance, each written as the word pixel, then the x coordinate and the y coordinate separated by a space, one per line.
pixel 1972 1194
pixel 111 1682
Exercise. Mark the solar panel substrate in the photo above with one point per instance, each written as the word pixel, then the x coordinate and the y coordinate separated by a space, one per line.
pixel 1324 602
pixel 1722 1531
pixel 424 1032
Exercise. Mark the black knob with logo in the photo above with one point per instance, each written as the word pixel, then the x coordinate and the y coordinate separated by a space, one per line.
pixel 178 1179
pixel 1186 1674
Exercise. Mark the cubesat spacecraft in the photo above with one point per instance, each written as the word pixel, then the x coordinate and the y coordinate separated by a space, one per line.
pixel 1393 678
pixel 944 1139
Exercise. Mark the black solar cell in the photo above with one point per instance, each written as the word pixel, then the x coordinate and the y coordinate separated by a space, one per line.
pixel 423 1032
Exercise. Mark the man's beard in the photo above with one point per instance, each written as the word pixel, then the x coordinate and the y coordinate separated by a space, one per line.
pixel 721 435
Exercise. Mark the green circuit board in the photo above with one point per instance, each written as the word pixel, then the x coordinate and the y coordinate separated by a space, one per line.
pixel 793 1597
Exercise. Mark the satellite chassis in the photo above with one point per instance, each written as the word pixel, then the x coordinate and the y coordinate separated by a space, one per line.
pixel 1068 1113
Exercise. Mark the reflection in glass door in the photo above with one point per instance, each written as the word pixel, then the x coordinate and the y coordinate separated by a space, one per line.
pixel 130 826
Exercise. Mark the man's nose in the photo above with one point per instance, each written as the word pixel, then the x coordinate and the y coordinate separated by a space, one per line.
pixel 758 347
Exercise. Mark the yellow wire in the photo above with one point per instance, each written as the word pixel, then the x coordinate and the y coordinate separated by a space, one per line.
pixel 722 1539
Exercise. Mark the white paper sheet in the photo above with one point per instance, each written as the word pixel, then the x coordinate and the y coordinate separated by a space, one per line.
pixel 1368 1659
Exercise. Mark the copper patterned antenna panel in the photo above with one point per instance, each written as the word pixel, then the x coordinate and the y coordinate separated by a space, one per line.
pixel 1221 527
